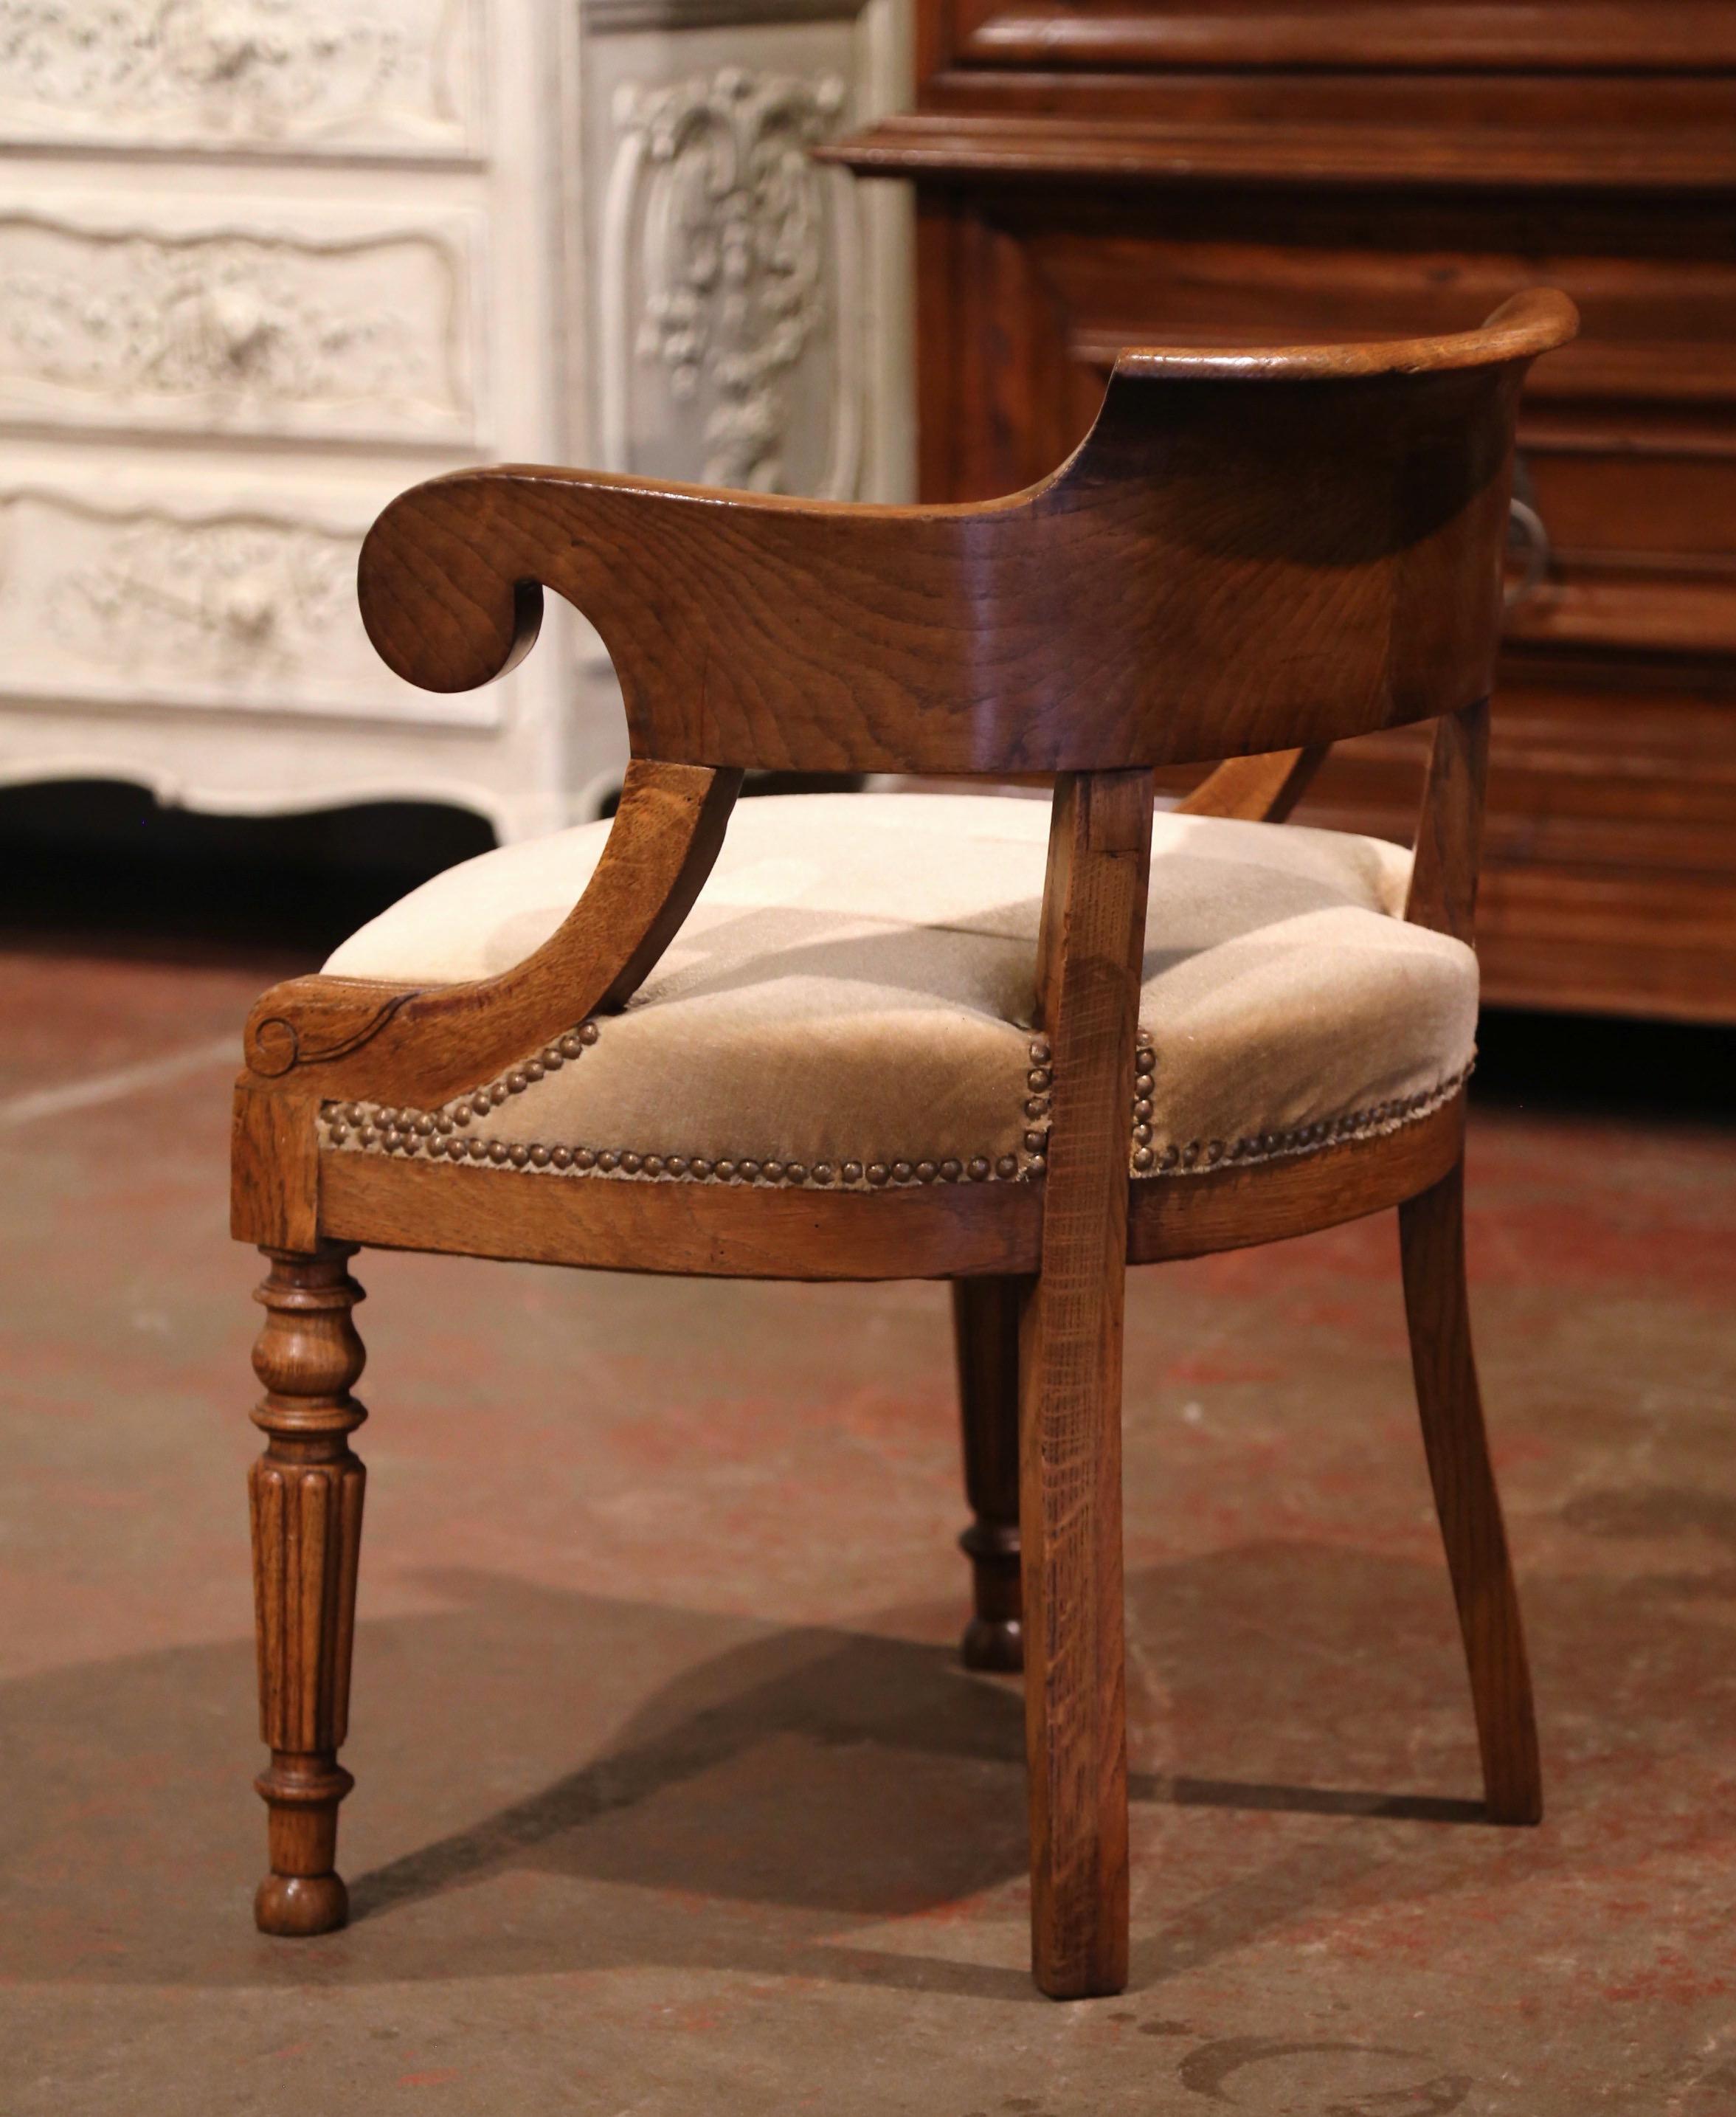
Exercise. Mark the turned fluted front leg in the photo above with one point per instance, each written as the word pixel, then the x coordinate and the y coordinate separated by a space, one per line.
pixel 307 1492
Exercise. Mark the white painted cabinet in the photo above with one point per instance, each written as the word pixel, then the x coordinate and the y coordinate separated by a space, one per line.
pixel 263 263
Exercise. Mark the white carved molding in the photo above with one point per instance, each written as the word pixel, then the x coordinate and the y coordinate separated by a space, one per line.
pixel 360 76
pixel 261 333
pixel 194 608
pixel 730 285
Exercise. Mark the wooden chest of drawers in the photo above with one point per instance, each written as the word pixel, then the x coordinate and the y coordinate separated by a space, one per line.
pixel 1092 175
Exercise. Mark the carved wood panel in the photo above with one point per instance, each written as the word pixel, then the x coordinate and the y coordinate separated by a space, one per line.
pixel 379 77
pixel 190 607
pixel 326 329
pixel 731 315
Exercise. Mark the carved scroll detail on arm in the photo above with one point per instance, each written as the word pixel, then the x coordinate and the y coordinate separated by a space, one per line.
pixel 345 1036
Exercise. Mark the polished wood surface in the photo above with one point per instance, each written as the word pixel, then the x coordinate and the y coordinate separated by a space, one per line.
pixel 1432 1242
pixel 350 1037
pixel 1070 1419
pixel 949 1231
pixel 1254 554
pixel 1247 547
pixel 306 1493
pixel 985 1328
pixel 1093 174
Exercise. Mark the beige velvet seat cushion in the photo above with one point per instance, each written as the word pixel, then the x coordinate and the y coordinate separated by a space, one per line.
pixel 850 1001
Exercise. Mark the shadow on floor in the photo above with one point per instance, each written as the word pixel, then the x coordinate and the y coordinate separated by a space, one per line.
pixel 776 1797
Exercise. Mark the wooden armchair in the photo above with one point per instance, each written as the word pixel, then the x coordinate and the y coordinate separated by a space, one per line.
pixel 897 1040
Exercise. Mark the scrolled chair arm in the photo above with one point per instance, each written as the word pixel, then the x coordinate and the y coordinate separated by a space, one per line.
pixel 353 1037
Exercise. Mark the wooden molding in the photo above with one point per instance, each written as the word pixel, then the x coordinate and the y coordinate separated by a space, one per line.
pixel 1017 145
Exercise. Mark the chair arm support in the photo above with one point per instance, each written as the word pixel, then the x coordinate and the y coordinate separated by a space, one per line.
pixel 1449 833
pixel 1257 790
pixel 326 1037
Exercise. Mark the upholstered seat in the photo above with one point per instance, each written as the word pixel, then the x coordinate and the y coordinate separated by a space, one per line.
pixel 850 1002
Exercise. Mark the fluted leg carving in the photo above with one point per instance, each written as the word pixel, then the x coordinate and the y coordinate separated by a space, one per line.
pixel 307 1493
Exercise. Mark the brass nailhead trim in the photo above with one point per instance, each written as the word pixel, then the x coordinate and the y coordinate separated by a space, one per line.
pixel 1302 1139
pixel 437 1132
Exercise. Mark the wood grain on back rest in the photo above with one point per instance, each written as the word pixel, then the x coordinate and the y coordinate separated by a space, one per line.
pixel 1246 554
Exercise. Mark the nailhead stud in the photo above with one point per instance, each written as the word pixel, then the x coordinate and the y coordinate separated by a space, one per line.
pixel 1037 1106
pixel 1146 1059
pixel 726 1171
pixel 1142 1158
pixel 950 1171
pixel 701 1168
pixel 498 1094
pixel 794 1173
pixel 653 1163
pixel 478 1149
pixel 562 1157
pixel 925 1172
pixel 749 1170
pixel 822 1172
pixel 1040 1053
pixel 1142 1135
pixel 517 1081
pixel 533 1069
pixel 877 1172
pixel 772 1171
pixel 978 1169
pixel 367 1135
pixel 1039 1077
pixel 353 1112
pixel 1171 1155
pixel 1036 1163
pixel 338 1134
pixel 1006 1166
pixel 570 1045
pixel 676 1165
pixel 588 1033
pixel 518 1154
pixel 1036 1141
pixel 852 1172
pixel 901 1172
pixel 552 1057
pixel 631 1164
pixel 539 1157
pixel 607 1162
pixel 498 1150
pixel 1142 1110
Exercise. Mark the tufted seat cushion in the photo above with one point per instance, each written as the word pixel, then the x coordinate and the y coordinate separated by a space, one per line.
pixel 850 1001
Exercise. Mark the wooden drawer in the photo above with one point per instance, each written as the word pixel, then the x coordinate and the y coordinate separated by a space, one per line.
pixel 166 315
pixel 191 597
pixel 395 79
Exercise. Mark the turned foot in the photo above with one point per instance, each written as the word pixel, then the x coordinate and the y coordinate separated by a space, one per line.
pixel 994 1639
pixel 293 1907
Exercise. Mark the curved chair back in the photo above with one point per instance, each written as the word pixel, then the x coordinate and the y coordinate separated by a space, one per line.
pixel 1248 552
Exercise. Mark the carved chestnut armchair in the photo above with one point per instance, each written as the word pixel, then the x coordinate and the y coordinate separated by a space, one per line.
pixel 898 1036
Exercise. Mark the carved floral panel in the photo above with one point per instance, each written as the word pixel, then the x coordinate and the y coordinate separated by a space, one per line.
pixel 370 76
pixel 731 285
pixel 254 333
pixel 242 608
